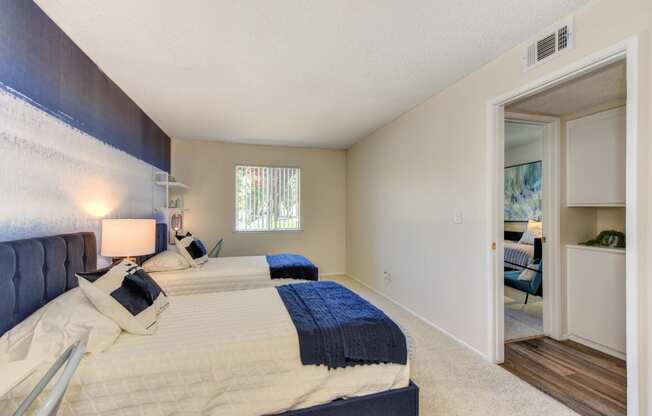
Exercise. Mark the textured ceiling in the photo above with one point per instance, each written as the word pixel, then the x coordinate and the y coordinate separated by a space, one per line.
pixel 598 87
pixel 292 72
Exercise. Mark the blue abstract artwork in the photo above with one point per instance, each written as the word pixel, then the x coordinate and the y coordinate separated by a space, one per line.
pixel 523 192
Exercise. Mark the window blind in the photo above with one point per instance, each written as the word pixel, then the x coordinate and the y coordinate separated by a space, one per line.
pixel 267 198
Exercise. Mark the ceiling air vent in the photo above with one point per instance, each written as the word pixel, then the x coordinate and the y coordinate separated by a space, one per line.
pixel 549 44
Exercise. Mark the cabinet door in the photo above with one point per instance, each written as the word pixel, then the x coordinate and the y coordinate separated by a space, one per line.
pixel 596 298
pixel 596 159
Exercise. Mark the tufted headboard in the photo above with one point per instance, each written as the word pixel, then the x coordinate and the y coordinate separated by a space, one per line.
pixel 37 270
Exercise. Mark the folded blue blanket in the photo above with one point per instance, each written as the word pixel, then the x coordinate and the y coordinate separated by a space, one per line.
pixel 291 266
pixel 338 328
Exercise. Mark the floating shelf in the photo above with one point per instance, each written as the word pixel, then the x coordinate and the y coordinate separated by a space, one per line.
pixel 168 210
pixel 177 185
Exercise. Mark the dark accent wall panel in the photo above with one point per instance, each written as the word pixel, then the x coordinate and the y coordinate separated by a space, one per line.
pixel 40 63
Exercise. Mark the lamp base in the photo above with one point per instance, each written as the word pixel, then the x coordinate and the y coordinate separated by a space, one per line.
pixel 116 260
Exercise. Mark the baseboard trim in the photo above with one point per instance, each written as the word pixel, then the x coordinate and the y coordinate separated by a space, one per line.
pixel 421 318
pixel 333 274
pixel 595 346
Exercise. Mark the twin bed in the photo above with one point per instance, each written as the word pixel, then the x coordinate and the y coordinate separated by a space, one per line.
pixel 226 353
pixel 220 274
pixel 518 255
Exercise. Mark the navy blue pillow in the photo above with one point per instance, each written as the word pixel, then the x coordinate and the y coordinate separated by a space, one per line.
pixel 144 284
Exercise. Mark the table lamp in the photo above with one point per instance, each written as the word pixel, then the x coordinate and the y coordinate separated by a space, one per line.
pixel 128 238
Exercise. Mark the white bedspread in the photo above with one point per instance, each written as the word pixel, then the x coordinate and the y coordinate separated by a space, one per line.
pixel 214 354
pixel 219 275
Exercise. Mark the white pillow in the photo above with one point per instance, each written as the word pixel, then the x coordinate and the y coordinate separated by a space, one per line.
pixel 166 261
pixel 126 294
pixel 534 230
pixel 528 275
pixel 192 249
pixel 45 334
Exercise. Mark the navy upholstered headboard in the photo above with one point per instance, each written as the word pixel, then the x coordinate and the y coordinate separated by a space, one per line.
pixel 161 237
pixel 37 270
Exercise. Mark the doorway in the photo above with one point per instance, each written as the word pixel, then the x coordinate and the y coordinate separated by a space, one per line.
pixel 563 301
pixel 524 223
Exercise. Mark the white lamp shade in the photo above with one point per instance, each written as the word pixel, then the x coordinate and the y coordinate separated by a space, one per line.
pixel 128 237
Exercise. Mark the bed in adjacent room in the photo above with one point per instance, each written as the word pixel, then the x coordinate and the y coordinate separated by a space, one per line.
pixel 229 353
pixel 518 255
pixel 523 248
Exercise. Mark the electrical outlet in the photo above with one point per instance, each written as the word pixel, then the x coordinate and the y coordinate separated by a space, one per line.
pixel 387 276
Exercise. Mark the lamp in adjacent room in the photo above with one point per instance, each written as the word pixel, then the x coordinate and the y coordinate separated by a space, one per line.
pixel 128 238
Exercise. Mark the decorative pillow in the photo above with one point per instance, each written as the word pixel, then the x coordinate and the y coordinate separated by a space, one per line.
pixel 126 294
pixel 528 275
pixel 534 230
pixel 166 261
pixel 192 250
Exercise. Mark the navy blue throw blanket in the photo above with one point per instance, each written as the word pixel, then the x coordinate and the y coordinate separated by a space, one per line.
pixel 291 266
pixel 338 328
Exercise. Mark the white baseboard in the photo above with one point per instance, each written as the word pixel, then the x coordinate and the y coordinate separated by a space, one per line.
pixel 595 346
pixel 421 318
pixel 333 274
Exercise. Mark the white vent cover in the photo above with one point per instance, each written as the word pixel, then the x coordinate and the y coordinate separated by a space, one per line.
pixel 549 44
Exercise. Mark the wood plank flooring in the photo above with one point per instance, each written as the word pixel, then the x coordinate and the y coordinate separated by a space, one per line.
pixel 588 381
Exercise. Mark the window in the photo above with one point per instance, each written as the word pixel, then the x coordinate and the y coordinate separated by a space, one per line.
pixel 267 198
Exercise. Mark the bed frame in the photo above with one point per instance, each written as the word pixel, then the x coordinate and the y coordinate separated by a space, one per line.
pixel 35 271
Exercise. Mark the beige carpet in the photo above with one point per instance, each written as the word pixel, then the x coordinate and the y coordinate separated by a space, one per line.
pixel 456 381
pixel 521 320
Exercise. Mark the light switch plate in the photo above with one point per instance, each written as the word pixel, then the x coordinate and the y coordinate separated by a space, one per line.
pixel 458 217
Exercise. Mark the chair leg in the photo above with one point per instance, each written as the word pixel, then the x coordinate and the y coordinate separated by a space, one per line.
pixel 526 296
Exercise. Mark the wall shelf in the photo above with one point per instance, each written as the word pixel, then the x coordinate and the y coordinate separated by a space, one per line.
pixel 171 210
pixel 173 185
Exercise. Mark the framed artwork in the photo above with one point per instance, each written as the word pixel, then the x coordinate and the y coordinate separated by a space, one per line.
pixel 523 192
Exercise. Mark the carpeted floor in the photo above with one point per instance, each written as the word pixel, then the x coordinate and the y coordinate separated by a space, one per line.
pixel 521 320
pixel 456 381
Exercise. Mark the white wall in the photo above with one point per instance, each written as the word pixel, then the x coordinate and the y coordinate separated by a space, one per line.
pixel 209 168
pixel 406 180
pixel 524 153
pixel 56 179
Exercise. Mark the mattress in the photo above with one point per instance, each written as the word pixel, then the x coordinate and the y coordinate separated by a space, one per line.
pixel 517 255
pixel 218 275
pixel 222 354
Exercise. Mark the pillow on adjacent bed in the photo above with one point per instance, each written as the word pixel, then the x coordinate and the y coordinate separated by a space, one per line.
pixel 192 249
pixel 126 294
pixel 166 261
pixel 534 230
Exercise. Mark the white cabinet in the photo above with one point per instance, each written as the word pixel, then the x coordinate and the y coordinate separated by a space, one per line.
pixel 595 150
pixel 595 281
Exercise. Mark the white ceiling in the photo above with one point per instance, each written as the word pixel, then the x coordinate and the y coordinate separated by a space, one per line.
pixel 292 72
pixel 605 85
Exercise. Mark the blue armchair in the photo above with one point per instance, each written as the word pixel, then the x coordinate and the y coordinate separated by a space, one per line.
pixel 533 287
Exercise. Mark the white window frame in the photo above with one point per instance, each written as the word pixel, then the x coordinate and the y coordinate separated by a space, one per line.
pixel 235 202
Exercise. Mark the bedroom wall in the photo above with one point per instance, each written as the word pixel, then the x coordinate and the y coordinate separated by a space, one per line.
pixel 407 180
pixel 44 66
pixel 73 147
pixel 208 167
pixel 524 153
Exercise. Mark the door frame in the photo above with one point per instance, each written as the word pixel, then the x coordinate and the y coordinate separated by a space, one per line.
pixel 551 191
pixel 627 49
